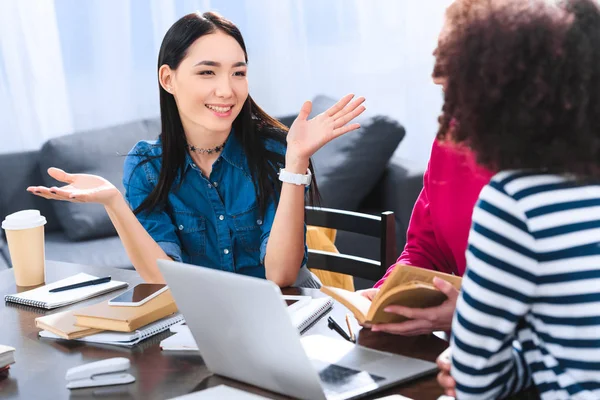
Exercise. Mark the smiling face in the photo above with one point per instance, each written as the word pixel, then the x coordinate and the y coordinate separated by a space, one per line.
pixel 210 84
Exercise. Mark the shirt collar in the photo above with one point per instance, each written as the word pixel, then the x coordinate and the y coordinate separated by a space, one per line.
pixel 233 153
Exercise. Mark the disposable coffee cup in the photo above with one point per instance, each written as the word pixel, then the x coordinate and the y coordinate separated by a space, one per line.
pixel 25 237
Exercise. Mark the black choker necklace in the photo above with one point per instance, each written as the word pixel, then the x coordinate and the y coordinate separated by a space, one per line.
pixel 205 151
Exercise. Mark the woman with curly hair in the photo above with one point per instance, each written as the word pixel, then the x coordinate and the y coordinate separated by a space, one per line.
pixel 524 84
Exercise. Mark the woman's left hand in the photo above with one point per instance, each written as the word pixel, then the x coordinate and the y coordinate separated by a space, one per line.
pixel 307 136
pixel 444 378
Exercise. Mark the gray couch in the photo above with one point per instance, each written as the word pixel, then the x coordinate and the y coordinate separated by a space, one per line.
pixel 82 233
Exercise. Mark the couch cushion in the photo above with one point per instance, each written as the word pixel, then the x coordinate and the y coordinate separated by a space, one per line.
pixel 104 252
pixel 17 172
pixel 348 167
pixel 100 152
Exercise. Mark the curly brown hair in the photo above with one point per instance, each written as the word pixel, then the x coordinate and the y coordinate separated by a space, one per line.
pixel 523 84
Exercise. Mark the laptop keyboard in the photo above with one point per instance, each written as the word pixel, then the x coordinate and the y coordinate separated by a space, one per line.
pixel 336 379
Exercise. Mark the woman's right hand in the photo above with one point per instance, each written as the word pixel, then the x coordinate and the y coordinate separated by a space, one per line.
pixel 80 188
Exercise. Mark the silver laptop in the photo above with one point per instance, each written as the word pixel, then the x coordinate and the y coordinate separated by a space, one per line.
pixel 244 332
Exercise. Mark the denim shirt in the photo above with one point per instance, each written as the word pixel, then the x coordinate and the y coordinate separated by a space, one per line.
pixel 213 222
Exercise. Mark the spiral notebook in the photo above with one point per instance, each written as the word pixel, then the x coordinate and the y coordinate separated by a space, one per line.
pixel 42 298
pixel 127 339
pixel 305 316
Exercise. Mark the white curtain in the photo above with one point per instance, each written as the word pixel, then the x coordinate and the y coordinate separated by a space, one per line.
pixel 74 65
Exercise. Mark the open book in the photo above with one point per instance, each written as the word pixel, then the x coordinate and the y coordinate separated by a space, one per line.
pixel 406 286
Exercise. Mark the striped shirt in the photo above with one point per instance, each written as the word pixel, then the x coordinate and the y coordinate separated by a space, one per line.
pixel 529 309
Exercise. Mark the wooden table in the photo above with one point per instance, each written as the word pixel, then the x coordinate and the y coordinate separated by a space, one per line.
pixel 41 364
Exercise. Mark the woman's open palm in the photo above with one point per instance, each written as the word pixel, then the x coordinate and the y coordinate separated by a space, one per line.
pixel 80 188
pixel 306 136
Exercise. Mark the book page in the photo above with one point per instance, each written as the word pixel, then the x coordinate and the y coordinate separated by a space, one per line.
pixel 359 305
pixel 403 274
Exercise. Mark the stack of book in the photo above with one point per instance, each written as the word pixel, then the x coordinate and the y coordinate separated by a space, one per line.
pixel 7 357
pixel 109 324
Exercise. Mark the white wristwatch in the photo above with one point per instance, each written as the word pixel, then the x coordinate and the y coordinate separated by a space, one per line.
pixel 296 179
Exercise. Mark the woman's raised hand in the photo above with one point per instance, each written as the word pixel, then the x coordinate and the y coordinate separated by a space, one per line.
pixel 306 136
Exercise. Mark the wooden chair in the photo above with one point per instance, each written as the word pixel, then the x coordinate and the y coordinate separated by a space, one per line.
pixel 382 227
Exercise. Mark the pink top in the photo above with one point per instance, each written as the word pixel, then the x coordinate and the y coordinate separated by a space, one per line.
pixel 441 218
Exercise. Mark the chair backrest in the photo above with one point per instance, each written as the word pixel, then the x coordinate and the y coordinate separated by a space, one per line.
pixel 382 227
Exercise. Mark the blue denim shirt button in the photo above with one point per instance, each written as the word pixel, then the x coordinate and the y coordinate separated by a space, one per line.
pixel 226 251
pixel 215 184
pixel 221 217
pixel 209 185
pixel 259 222
pixel 180 227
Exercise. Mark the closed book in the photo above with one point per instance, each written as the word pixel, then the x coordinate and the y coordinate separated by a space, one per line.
pixel 406 286
pixel 126 318
pixel 63 324
pixel 7 356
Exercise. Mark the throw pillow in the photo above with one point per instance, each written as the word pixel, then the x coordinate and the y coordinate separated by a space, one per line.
pixel 348 167
pixel 99 152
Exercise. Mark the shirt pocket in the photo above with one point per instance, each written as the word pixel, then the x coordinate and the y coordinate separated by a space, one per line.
pixel 191 230
pixel 247 229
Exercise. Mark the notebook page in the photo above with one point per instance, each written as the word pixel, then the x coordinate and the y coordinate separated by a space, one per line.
pixel 41 296
pixel 304 317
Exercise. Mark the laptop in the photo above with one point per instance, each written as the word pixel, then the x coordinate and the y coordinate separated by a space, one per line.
pixel 244 332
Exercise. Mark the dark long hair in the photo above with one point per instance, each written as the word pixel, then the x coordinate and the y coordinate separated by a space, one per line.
pixel 252 127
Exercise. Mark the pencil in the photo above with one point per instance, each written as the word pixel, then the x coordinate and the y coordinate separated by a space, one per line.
pixel 350 328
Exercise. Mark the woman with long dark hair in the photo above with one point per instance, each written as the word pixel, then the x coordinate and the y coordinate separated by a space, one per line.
pixel 224 185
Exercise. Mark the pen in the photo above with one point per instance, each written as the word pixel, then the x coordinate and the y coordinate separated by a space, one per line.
pixel 334 325
pixel 81 284
pixel 352 338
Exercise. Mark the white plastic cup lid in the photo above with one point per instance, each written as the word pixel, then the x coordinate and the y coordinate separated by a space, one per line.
pixel 25 219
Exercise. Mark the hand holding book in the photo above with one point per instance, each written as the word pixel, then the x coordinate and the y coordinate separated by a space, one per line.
pixel 411 301
pixel 423 320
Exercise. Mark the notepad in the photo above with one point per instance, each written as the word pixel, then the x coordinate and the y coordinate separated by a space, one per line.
pixel 127 339
pixel 42 298
pixel 305 316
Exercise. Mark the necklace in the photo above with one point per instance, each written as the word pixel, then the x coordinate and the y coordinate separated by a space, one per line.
pixel 205 151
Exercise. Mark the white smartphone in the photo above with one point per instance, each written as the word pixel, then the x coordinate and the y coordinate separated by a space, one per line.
pixel 138 295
